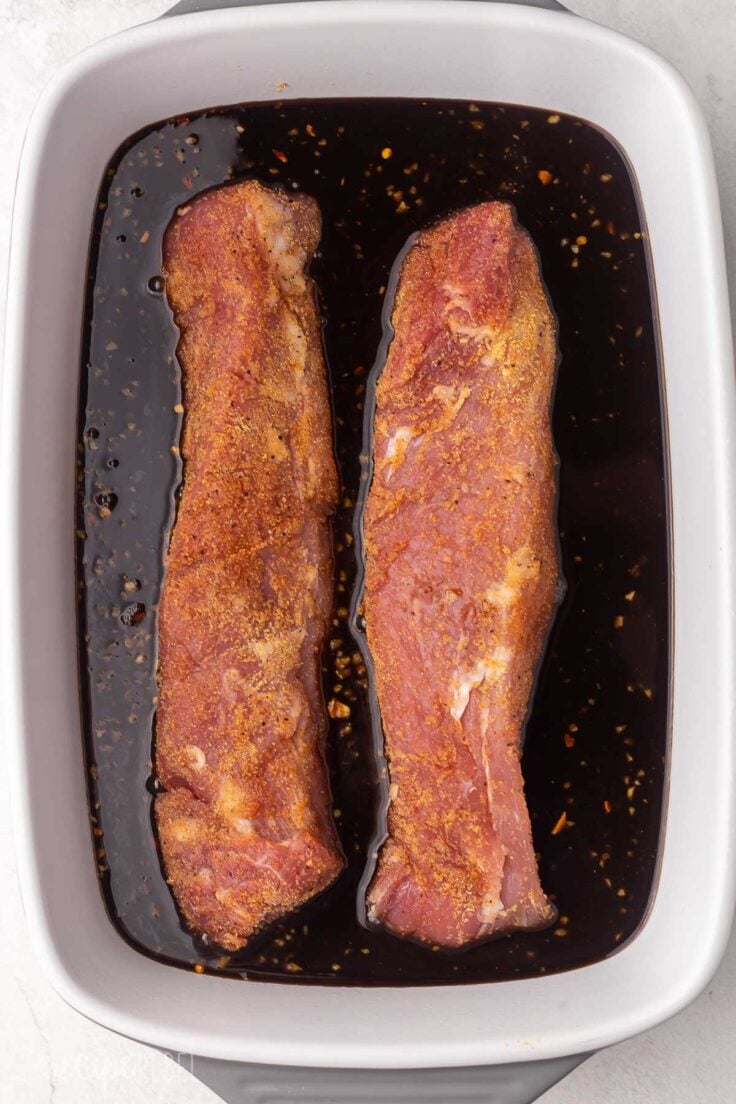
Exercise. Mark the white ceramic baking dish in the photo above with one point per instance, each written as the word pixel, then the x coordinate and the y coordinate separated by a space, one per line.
pixel 481 51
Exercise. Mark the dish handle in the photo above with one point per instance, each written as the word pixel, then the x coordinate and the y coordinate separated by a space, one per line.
pixel 243 1083
pixel 186 6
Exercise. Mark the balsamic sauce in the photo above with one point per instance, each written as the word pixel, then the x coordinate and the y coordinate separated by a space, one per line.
pixel 596 740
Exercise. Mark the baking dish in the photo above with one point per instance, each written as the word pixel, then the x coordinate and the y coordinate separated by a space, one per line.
pixel 501 52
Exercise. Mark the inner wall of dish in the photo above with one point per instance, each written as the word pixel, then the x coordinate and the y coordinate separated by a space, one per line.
pixel 594 759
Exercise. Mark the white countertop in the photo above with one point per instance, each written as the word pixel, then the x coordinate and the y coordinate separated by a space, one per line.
pixel 49 1053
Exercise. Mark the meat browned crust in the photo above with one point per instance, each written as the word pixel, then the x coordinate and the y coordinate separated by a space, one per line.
pixel 245 827
pixel 461 576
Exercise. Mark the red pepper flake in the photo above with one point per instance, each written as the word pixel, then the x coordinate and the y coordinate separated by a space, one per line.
pixel 561 823
pixel 310 130
pixel 280 155
pixel 544 176
pixel 569 740
pixel 607 808
pixel 187 181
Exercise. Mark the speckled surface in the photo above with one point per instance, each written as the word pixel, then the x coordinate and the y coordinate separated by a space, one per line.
pixel 50 1053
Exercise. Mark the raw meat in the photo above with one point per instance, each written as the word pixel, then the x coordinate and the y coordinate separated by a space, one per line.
pixel 461 577
pixel 245 826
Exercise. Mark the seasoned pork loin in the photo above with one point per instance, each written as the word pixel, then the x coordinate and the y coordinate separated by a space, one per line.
pixel 244 823
pixel 461 577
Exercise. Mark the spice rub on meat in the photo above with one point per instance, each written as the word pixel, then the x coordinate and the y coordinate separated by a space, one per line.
pixel 245 825
pixel 461 577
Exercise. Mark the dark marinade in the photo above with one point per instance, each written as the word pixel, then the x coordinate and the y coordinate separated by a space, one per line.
pixel 596 739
